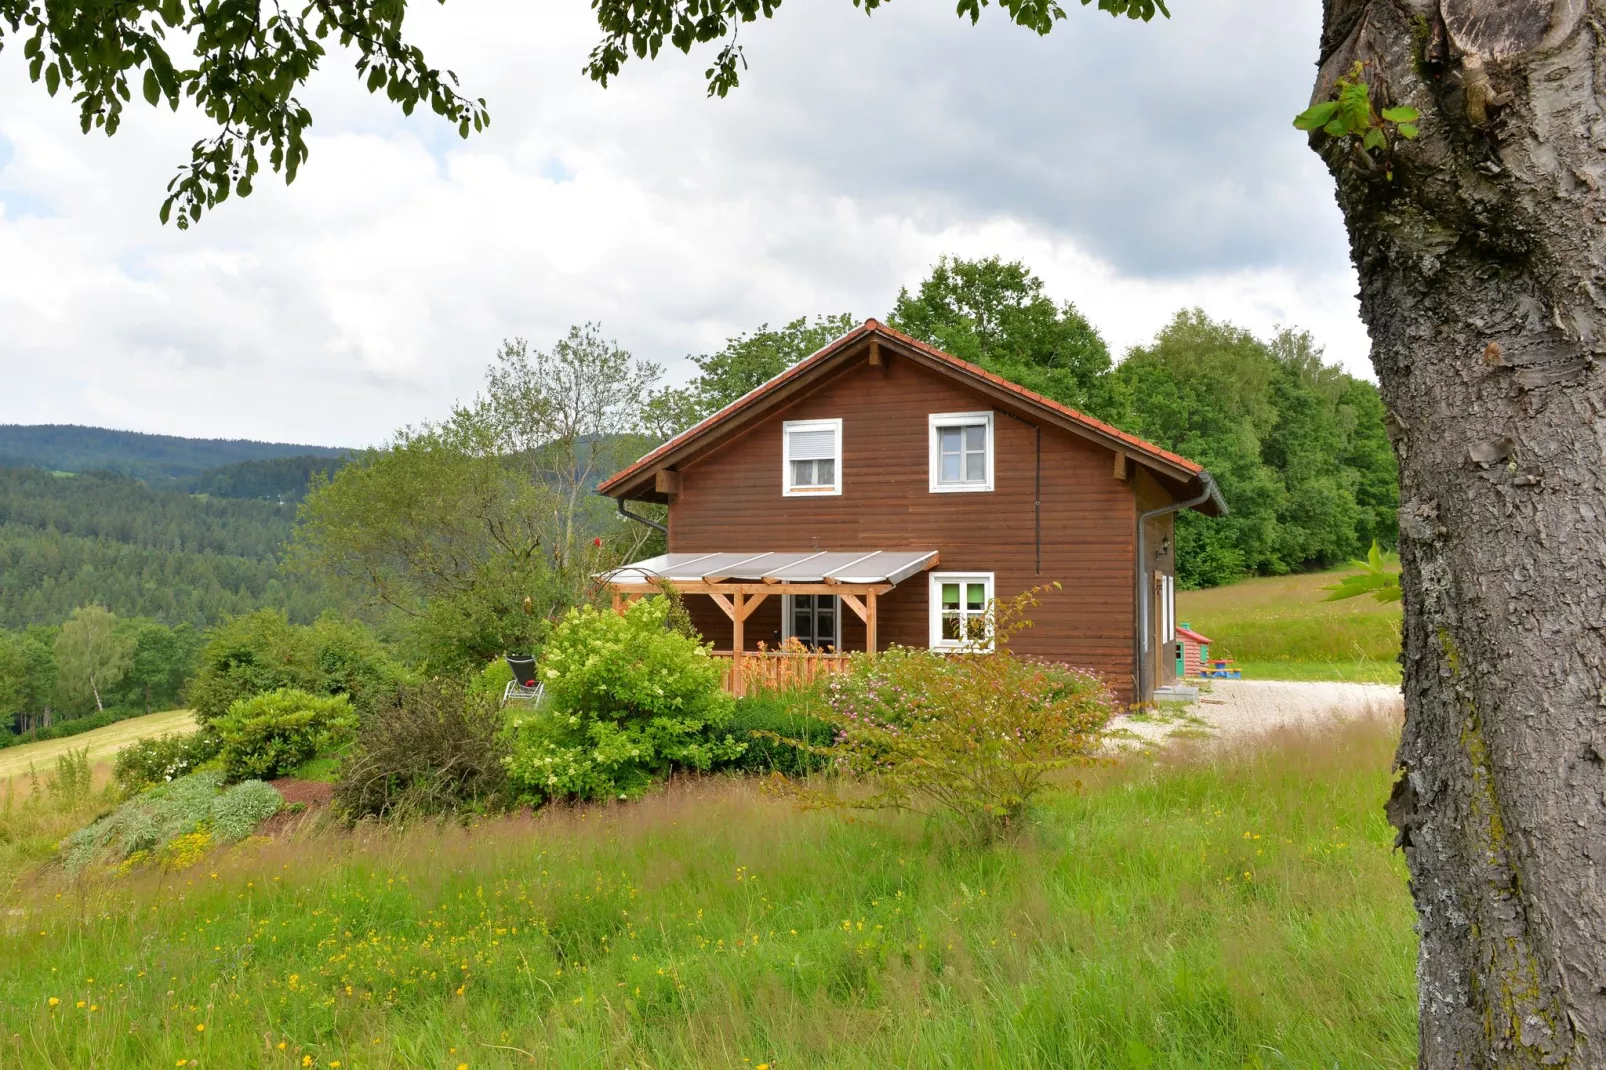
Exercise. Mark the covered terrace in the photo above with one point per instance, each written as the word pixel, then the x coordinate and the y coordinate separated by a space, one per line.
pixel 738 583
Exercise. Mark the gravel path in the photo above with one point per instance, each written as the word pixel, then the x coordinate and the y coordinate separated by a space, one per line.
pixel 1242 709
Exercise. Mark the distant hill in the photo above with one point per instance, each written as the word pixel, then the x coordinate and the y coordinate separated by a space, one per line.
pixel 71 448
pixel 69 540
pixel 283 479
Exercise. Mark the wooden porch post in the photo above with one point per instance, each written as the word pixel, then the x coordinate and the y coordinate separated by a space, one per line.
pixel 618 603
pixel 869 622
pixel 738 619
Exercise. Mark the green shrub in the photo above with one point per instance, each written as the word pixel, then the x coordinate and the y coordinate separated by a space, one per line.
pixel 628 699
pixel 971 737
pixel 437 749
pixel 271 734
pixel 491 682
pixel 260 652
pixel 195 809
pixel 780 731
pixel 157 761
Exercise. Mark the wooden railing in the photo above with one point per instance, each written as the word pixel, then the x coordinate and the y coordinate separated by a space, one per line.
pixel 778 670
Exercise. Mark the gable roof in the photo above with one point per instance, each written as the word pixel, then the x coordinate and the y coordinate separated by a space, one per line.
pixel 1183 477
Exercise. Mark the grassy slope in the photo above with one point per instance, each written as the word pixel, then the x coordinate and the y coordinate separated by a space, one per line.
pixel 1279 628
pixel 1187 914
pixel 103 743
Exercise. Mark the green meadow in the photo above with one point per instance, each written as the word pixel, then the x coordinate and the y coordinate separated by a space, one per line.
pixel 1281 628
pixel 1205 908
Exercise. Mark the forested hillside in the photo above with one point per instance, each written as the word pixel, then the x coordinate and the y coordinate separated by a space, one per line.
pixel 71 448
pixel 73 540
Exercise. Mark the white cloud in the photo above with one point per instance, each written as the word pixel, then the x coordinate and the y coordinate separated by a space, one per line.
pixel 1138 169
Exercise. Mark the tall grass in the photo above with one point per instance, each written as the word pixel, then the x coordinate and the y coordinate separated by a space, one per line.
pixel 38 809
pixel 1218 910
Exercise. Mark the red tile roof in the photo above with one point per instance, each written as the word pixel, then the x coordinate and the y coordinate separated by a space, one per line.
pixel 870 327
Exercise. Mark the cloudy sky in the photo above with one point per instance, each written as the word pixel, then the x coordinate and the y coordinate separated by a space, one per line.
pixel 1137 168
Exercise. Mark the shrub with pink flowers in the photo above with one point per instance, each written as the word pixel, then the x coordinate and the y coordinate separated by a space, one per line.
pixel 972 736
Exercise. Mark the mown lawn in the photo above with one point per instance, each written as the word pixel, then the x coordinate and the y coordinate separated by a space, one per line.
pixel 1188 912
pixel 102 743
pixel 1279 628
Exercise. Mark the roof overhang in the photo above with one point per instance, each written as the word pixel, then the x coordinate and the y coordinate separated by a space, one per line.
pixel 820 571
pixel 876 342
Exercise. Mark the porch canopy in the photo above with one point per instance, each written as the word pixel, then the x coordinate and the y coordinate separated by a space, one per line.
pixel 739 582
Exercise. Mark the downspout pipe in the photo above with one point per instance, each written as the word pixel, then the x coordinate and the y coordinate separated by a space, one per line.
pixel 1211 492
pixel 628 515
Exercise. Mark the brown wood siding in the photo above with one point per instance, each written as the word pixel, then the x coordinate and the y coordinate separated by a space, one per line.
pixel 731 500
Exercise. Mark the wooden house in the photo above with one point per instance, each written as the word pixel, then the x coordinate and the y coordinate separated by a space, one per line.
pixel 882 491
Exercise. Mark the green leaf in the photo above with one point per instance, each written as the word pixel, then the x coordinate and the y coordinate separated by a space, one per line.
pixel 1315 116
pixel 52 79
pixel 153 88
pixel 1408 131
pixel 1374 139
pixel 1401 115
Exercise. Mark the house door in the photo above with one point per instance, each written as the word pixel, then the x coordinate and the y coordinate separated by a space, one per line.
pixel 812 620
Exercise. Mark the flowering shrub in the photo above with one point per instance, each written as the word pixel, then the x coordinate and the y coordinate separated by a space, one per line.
pixel 157 761
pixel 270 734
pixel 971 736
pixel 627 699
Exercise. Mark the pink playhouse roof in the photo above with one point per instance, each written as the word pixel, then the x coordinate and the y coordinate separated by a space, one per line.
pixel 1189 633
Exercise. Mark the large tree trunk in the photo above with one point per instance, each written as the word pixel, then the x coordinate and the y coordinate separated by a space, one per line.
pixel 1482 283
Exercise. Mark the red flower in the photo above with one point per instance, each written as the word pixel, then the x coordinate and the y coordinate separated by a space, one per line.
pixel 597 541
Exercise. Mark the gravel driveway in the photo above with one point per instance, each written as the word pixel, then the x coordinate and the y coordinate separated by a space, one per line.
pixel 1240 709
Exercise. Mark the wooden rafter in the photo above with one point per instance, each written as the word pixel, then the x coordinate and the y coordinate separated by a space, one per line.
pixel 755 588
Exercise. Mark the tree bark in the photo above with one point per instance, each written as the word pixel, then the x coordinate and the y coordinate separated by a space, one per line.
pixel 1482 264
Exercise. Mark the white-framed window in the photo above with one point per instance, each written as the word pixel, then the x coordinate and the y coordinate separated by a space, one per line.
pixel 1169 602
pixel 960 610
pixel 815 620
pixel 961 451
pixel 811 457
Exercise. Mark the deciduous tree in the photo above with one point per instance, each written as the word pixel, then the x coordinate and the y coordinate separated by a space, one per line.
pixel 747 361
pixel 90 654
pixel 482 530
pixel 996 314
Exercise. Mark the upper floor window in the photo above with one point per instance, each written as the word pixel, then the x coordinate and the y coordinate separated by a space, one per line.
pixel 961 451
pixel 811 457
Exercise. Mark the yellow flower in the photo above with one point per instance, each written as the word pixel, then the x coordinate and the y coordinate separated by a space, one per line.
pixel 335 1063
pixel 306 1060
pixel 200 1027
pixel 762 1066
pixel 281 1045
pixel 53 1001
pixel 462 1066
pixel 80 1003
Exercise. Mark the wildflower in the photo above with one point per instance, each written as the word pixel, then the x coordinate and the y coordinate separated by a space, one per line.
pixel 53 1001
pixel 462 1066
pixel 200 1027
pixel 306 1060
pixel 80 1003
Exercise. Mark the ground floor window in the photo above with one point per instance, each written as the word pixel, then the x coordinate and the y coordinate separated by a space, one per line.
pixel 959 615
pixel 813 620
